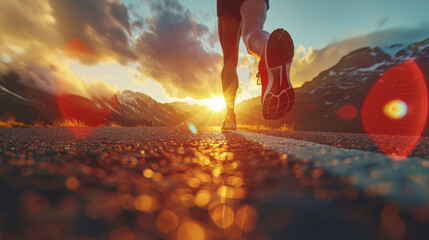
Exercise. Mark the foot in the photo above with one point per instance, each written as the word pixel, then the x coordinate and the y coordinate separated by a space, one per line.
pixel 277 96
pixel 229 123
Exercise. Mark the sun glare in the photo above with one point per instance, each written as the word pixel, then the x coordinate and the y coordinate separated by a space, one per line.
pixel 216 104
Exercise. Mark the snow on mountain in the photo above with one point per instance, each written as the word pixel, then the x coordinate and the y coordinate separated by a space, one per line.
pixel 126 97
pixel 316 105
pixel 393 49
pixel 11 93
pixel 126 108
pixel 346 83
pixel 139 105
pixel 364 64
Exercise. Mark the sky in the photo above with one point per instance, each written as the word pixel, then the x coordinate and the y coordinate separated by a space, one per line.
pixel 169 50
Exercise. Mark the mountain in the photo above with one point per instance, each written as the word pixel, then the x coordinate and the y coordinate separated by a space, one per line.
pixel 31 105
pixel 319 102
pixel 330 102
pixel 136 105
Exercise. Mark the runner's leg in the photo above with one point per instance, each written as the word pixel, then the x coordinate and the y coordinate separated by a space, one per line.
pixel 253 14
pixel 229 29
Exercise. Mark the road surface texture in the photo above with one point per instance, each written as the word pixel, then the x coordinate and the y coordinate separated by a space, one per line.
pixel 169 183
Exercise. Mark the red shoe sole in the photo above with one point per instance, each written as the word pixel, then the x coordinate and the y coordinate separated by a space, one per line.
pixel 279 96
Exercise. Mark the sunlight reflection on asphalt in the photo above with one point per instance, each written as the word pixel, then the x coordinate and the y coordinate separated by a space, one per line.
pixel 165 183
pixel 175 188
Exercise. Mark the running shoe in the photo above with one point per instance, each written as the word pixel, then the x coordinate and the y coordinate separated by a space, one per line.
pixel 229 123
pixel 277 96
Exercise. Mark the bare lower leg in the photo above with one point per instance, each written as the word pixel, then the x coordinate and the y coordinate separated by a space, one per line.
pixel 229 36
pixel 254 13
pixel 229 86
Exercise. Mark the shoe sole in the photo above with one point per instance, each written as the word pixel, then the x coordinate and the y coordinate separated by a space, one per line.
pixel 278 100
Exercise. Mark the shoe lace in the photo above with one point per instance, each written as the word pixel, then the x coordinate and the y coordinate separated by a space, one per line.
pixel 258 81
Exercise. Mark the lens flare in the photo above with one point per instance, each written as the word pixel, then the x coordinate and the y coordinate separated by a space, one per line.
pixel 79 113
pixel 397 105
pixel 78 49
pixel 192 127
pixel 395 109
pixel 347 112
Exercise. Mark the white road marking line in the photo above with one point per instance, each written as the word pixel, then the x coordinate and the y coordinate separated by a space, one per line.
pixel 406 182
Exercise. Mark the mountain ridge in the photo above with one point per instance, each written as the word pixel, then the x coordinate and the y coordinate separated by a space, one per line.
pixel 316 107
pixel 31 105
pixel 345 83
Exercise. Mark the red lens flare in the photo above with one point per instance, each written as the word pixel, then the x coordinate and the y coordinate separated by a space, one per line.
pixel 78 49
pixel 397 105
pixel 347 112
pixel 78 113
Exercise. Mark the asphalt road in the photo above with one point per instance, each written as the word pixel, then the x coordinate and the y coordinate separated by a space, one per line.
pixel 168 183
pixel 357 141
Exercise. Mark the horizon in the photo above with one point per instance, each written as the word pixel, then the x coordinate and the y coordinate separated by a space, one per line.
pixel 113 123
pixel 109 44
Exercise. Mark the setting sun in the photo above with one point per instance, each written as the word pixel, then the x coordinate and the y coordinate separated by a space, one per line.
pixel 216 104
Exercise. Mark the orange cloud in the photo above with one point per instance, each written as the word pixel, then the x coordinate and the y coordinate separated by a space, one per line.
pixel 48 27
pixel 172 53
pixel 172 50
pixel 58 80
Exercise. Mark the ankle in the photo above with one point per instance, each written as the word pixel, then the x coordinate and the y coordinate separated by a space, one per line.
pixel 230 113
pixel 230 117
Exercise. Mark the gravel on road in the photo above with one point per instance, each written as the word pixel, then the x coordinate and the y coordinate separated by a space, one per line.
pixel 168 183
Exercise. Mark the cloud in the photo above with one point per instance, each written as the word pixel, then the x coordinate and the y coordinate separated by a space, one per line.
pixel 172 47
pixel 57 80
pixel 35 33
pixel 308 63
pixel 103 26
pixel 45 27
pixel 172 52
pixel 27 25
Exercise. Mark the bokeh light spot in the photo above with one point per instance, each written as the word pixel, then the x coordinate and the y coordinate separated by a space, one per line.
pixel 202 198
pixel 167 221
pixel 190 230
pixel 148 173
pixel 147 203
pixel 245 218
pixel 222 216
pixel 72 183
